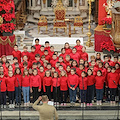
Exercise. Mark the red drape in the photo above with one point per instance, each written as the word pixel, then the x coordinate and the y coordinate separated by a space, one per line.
pixel 101 12
pixel 6 45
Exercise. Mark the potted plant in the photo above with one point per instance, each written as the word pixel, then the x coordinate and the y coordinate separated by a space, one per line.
pixel 108 47
pixel 107 21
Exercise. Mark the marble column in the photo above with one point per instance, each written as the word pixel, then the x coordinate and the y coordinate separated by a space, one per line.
pixel 29 3
pixel 33 3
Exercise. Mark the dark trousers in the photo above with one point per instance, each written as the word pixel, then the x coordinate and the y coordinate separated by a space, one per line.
pixel 64 96
pixel 56 94
pixel 112 94
pixel 107 94
pixel 18 94
pixel 11 97
pixel 35 93
pixel 83 94
pixel 48 91
pixel 3 98
pixel 72 94
pixel 90 93
pixel 99 94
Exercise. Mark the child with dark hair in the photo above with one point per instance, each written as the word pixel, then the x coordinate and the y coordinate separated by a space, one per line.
pixel 37 45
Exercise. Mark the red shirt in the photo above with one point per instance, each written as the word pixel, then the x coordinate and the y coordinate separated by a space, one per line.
pixel 68 51
pixel 48 48
pixel 47 57
pixel 53 62
pixel 67 62
pixel 91 80
pixel 83 83
pixel 32 56
pixel 75 56
pixel 78 48
pixel 55 83
pixel 73 80
pixel 51 53
pixel 41 53
pixel 79 72
pixel 3 84
pixel 35 81
pixel 63 55
pixel 25 53
pixel 34 61
pixel 113 77
pixel 18 80
pixel 47 81
pixel 99 82
pixel 103 71
pixel 25 81
pixel 41 74
pixel 17 54
pixel 37 48
pixel 84 56
pixel 63 83
pixel 10 83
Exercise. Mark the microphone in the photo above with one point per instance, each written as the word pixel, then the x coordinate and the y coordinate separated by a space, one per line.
pixel 114 81
pixel 0 81
pixel 17 79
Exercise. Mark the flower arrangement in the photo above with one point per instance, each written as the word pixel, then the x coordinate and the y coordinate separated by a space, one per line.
pixel 107 46
pixel 107 20
pixel 7 12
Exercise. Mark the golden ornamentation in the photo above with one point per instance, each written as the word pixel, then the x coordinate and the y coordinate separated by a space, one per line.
pixel 42 23
pixel 59 21
pixel 89 43
pixel 1 20
pixel 78 22
pixel 44 1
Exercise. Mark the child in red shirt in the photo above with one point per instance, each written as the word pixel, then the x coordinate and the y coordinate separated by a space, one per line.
pixel 83 83
pixel 51 52
pixel 56 87
pixel 63 54
pixel 18 82
pixel 68 68
pixel 99 83
pixel 35 85
pixel 26 87
pixel 3 90
pixel 11 88
pixel 47 82
pixel 17 53
pixel 37 45
pixel 63 87
pixel 83 54
pixel 67 48
pixel 41 51
pixel 47 57
pixel 90 87
pixel 54 60
pixel 32 53
pixel 72 83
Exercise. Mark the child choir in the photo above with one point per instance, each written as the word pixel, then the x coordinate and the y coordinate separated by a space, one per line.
pixel 61 77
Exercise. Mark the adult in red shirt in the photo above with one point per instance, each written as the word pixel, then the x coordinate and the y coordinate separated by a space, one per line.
pixel 32 53
pixel 78 46
pixel 67 48
pixel 63 87
pixel 72 84
pixel 47 82
pixel 3 89
pixel 35 85
pixel 99 83
pixel 113 80
pixel 10 88
pixel 17 53
pixel 37 45
pixel 74 55
pixel 83 83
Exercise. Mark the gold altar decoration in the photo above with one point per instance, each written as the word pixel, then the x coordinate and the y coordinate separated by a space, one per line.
pixel 42 23
pixel 1 20
pixel 44 1
pixel 78 22
pixel 89 43
pixel 59 21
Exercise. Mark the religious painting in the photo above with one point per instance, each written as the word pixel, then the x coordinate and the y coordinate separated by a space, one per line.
pixel 82 2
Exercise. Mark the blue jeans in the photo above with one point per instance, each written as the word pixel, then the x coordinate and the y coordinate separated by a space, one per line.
pixel 99 94
pixel 72 94
pixel 26 92
pixel 18 94
pixel 83 94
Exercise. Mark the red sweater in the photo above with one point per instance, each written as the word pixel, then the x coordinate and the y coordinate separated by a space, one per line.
pixel 63 83
pixel 111 78
pixel 26 81
pixel 37 48
pixel 73 80
pixel 3 84
pixel 79 48
pixel 17 54
pixel 41 74
pixel 47 57
pixel 10 83
pixel 91 80
pixel 47 48
pixel 19 77
pixel 32 56
pixel 83 82
pixel 25 53
pixel 55 83
pixel 84 56
pixel 63 55
pixel 53 62
pixel 75 56
pixel 47 81
pixel 99 82
pixel 41 53
pixel 35 81
pixel 34 61
pixel 68 51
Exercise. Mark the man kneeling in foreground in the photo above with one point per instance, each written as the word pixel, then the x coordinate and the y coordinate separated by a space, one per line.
pixel 47 112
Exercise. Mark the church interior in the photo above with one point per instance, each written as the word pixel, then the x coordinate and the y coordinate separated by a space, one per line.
pixel 96 23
